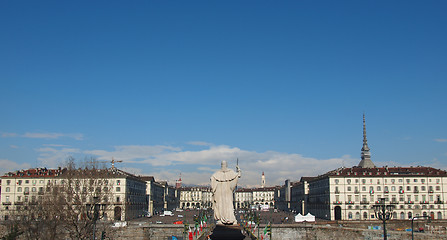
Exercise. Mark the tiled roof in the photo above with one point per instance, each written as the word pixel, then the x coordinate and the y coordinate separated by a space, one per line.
pixel 385 171
pixel 35 173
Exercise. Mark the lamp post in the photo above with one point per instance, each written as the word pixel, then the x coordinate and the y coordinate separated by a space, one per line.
pixel 93 214
pixel 412 221
pixel 384 213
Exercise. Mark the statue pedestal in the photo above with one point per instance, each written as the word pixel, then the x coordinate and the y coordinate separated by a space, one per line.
pixel 228 232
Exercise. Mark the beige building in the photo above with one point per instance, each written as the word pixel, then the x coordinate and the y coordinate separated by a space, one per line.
pixel 247 197
pixel 195 197
pixel 120 193
pixel 350 193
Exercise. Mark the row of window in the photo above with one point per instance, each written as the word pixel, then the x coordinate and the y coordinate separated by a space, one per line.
pixel 33 198
pixel 33 189
pixel 393 188
pixel 393 198
pixel 401 216
pixel 400 180
pixel 41 181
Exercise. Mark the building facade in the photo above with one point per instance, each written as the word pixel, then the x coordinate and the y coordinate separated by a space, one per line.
pixel 350 193
pixel 121 195
pixel 195 197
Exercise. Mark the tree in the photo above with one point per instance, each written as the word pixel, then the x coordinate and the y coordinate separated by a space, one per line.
pixel 70 206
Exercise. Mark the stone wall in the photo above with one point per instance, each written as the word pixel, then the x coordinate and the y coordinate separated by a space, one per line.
pixel 316 232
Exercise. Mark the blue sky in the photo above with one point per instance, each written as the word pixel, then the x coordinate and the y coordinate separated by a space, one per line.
pixel 174 87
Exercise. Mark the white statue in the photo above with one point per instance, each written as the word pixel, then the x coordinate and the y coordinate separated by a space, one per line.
pixel 223 183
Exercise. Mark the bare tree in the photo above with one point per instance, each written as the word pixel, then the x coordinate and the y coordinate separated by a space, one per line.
pixel 70 206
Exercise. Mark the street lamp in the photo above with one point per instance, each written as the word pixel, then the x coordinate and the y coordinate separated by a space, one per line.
pixel 93 214
pixel 383 212
pixel 412 220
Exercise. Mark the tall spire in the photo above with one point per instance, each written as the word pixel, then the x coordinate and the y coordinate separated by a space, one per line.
pixel 263 180
pixel 366 155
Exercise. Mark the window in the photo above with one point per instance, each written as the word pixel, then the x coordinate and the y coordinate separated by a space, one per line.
pixel 408 180
pixel 33 189
pixel 19 189
pixel 363 188
pixel 8 182
pixel 26 189
pixel 401 180
pixel 7 198
pixel 393 181
pixel 393 188
pixel 438 188
pixel 34 182
pixel 379 188
pixel 422 180
pixel 349 188
pixel 26 181
pixel 19 182
pixel 363 181
pixel 118 182
pixel 118 189
pixel 7 189
pixel 336 181
pixel 408 188
pixel 349 181
pixel 415 180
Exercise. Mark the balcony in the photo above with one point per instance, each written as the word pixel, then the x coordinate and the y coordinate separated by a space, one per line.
pixel 356 191
pixel 401 191
pixel 364 202
pixel 350 202
pixel 18 203
pixel 26 193
pixel 40 193
pixel 439 202
pixel 6 203
pixel 394 202
pixel 416 191
pixel 337 202
pixel 337 191
pixel 409 202
pixel 386 191
pixel 430 191
pixel 424 202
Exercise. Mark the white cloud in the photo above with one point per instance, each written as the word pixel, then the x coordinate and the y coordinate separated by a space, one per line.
pixel 53 157
pixel 135 153
pixel 197 166
pixel 76 136
pixel 441 140
pixel 8 166
pixel 54 145
pixel 199 143
pixel 9 134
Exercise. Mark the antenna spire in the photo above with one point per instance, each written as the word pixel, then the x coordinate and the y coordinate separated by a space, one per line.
pixel 365 155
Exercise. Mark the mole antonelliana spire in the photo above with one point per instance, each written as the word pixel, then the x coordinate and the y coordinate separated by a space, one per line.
pixel 366 155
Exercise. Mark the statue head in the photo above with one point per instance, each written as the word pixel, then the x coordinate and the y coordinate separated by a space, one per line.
pixel 224 165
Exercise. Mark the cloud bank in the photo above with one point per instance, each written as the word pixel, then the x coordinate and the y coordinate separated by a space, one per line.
pixel 196 167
